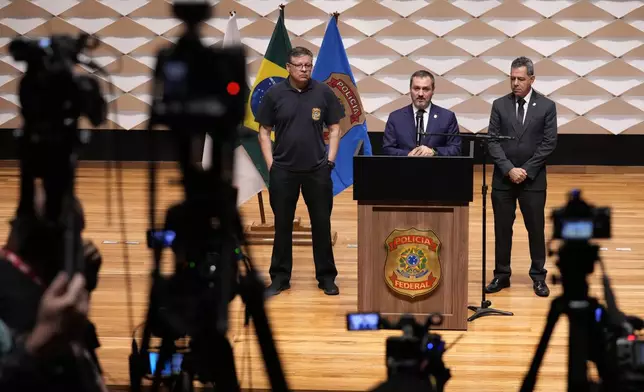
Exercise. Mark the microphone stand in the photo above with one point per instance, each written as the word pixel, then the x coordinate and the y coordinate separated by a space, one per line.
pixel 485 309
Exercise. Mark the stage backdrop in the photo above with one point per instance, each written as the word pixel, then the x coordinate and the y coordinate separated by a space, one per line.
pixel 588 55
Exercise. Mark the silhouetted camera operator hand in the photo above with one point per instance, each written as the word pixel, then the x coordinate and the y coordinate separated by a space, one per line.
pixel 61 315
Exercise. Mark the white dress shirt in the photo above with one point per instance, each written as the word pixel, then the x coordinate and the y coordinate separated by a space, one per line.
pixel 525 105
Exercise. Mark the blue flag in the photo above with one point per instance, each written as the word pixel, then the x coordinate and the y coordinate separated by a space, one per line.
pixel 332 68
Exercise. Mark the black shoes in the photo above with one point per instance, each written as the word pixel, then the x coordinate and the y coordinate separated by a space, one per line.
pixel 276 288
pixel 539 286
pixel 328 286
pixel 497 285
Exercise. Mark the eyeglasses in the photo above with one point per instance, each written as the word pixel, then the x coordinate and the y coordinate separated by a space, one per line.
pixel 302 66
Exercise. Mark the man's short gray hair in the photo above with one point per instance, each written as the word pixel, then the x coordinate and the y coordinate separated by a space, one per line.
pixel 523 62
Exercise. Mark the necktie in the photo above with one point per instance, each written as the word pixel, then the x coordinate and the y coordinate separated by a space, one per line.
pixel 420 127
pixel 520 103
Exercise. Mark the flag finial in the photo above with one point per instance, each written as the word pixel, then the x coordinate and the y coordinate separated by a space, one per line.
pixel 232 13
pixel 282 6
pixel 335 15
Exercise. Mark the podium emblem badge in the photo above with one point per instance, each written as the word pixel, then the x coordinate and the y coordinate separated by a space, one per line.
pixel 413 267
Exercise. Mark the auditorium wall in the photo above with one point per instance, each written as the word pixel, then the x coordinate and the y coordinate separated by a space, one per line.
pixel 588 55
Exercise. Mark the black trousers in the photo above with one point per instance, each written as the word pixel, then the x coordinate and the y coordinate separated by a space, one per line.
pixel 532 204
pixel 317 190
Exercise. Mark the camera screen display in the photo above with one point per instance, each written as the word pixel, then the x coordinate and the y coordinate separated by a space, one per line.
pixel 363 321
pixel 170 368
pixel 577 230
pixel 162 237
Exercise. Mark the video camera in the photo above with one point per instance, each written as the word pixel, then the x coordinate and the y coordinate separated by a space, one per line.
pixel 578 221
pixel 199 90
pixel 603 335
pixel 415 359
pixel 52 98
pixel 47 228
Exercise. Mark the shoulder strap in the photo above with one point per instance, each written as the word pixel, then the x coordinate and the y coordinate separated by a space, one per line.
pixel 20 265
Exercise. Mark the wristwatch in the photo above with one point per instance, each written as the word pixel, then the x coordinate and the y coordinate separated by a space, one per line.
pixel 331 164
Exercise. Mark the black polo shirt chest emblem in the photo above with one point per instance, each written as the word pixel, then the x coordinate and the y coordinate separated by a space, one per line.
pixel 316 113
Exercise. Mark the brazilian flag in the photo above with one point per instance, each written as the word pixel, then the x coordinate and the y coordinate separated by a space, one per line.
pixel 271 71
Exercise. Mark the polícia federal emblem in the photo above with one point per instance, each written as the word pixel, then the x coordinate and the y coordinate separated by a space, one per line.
pixel 347 94
pixel 412 267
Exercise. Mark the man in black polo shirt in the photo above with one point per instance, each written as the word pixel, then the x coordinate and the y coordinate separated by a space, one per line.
pixel 297 110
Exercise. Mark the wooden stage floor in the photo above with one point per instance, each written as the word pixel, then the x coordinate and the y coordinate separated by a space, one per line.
pixel 310 331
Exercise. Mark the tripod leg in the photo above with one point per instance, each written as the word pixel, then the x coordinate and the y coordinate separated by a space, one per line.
pixel 252 293
pixel 556 308
pixel 184 383
pixel 578 346
pixel 226 372
pixel 213 361
pixel 164 356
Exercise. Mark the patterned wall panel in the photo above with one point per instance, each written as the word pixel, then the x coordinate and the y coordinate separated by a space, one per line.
pixel 588 54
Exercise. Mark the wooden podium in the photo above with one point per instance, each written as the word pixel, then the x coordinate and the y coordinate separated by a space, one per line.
pixel 413 222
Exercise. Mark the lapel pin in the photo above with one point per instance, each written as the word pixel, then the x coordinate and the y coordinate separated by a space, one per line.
pixel 435 115
pixel 534 104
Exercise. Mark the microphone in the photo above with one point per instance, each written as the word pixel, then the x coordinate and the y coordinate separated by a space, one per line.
pixel 419 131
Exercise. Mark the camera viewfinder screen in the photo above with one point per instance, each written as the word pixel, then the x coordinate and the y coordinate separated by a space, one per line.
pixel 577 230
pixel 363 321
pixel 170 368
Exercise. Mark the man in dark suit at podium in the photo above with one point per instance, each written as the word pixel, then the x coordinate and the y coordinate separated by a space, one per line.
pixel 520 172
pixel 403 132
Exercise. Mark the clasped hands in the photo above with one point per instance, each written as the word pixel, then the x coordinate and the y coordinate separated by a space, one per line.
pixel 517 175
pixel 421 151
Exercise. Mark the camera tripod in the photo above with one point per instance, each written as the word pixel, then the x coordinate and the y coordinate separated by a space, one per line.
pixel 210 245
pixel 210 357
pixel 585 317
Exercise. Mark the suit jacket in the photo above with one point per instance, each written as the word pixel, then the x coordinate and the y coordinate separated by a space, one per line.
pixel 400 132
pixel 534 141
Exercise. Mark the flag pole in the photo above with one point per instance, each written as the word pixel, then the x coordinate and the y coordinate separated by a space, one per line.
pixel 260 197
pixel 262 215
